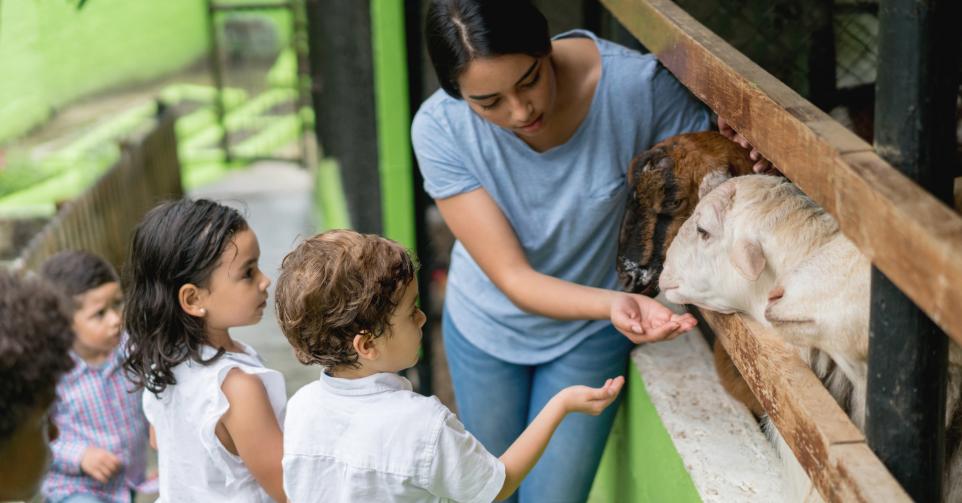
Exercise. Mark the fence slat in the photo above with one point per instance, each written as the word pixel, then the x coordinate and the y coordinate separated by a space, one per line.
pixel 906 233
pixel 102 218
pixel 826 443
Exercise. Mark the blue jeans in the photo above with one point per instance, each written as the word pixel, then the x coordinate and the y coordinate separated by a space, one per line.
pixel 81 498
pixel 497 400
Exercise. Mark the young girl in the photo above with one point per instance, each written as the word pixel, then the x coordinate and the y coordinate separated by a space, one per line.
pixel 214 409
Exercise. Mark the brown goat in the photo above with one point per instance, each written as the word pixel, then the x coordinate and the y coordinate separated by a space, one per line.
pixel 663 191
pixel 663 184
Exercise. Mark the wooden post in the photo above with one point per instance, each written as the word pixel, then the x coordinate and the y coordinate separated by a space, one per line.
pixel 342 80
pixel 914 131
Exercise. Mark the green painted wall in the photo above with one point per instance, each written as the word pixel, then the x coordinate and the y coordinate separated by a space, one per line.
pixel 51 53
pixel 640 463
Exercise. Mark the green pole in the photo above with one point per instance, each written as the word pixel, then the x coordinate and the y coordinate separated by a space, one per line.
pixel 393 120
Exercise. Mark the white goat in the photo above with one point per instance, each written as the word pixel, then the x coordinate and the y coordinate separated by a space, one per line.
pixel 758 245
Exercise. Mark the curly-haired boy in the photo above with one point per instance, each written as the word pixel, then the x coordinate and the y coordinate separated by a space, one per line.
pixel 35 338
pixel 348 302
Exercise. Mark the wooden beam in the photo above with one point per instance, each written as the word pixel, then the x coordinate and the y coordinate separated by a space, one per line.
pixel 907 233
pixel 828 446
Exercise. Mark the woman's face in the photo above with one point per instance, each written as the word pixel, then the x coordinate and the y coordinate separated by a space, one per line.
pixel 514 91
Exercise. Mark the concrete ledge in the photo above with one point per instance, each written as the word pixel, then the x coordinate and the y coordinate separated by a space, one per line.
pixel 717 438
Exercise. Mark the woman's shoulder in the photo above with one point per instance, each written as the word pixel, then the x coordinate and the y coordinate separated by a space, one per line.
pixel 439 111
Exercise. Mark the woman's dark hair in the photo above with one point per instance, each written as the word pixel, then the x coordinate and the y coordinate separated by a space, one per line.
pixel 76 271
pixel 459 31
pixel 35 341
pixel 178 242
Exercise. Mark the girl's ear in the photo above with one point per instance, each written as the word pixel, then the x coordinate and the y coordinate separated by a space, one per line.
pixel 191 298
pixel 364 346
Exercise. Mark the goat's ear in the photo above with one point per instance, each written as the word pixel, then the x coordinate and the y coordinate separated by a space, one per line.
pixel 748 259
pixel 713 179
pixel 636 166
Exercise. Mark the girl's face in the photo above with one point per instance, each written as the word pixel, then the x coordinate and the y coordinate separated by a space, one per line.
pixel 236 294
pixel 97 321
pixel 401 343
pixel 514 91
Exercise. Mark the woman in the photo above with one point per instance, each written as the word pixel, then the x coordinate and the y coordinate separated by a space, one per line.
pixel 524 150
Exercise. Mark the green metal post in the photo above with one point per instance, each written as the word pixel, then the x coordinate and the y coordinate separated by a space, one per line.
pixel 393 120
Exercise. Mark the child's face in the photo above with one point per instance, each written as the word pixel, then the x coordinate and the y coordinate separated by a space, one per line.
pixel 400 345
pixel 237 293
pixel 97 322
pixel 25 457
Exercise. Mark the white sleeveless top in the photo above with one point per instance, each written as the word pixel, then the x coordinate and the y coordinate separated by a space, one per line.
pixel 194 466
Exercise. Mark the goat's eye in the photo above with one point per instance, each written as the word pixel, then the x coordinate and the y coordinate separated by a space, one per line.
pixel 702 233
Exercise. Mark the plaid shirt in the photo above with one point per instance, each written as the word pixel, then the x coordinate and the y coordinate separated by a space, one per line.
pixel 94 408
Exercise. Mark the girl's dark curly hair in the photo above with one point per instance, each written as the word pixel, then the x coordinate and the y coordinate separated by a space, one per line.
pixel 178 242
pixel 35 341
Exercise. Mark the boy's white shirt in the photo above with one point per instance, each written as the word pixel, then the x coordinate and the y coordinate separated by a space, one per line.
pixel 373 439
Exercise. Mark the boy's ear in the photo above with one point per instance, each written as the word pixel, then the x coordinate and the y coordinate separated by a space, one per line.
pixel 364 345
pixel 190 298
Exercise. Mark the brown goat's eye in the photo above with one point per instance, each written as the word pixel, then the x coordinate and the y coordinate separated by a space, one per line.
pixel 702 233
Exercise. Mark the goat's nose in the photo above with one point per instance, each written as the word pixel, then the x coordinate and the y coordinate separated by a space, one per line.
pixel 776 294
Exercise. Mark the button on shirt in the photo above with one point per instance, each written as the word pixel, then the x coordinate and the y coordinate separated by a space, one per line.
pixel 373 439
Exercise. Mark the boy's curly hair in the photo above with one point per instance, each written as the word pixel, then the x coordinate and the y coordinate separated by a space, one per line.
pixel 335 285
pixel 35 340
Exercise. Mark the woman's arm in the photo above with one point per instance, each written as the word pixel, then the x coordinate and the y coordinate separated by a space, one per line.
pixel 254 431
pixel 480 225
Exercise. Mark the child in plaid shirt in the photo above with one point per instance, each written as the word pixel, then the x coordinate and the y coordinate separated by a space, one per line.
pixel 100 455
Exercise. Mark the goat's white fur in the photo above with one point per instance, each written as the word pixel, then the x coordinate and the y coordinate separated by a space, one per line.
pixel 757 245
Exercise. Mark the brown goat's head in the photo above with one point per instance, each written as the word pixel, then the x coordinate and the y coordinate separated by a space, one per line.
pixel 663 191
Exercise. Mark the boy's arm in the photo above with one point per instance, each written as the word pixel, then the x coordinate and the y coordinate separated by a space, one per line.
pixel 68 451
pixel 67 455
pixel 254 430
pixel 521 457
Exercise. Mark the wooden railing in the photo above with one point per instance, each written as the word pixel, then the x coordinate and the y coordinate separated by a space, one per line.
pixel 102 218
pixel 907 233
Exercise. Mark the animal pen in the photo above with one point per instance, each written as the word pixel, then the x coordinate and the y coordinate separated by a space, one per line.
pixel 889 201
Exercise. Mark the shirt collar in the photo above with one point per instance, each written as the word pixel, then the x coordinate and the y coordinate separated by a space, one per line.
pixel 372 384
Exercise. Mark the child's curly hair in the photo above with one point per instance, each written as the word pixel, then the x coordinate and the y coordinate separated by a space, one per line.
pixel 35 340
pixel 336 285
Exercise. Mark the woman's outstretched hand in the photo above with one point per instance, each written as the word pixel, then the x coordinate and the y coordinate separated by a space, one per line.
pixel 643 319
pixel 761 165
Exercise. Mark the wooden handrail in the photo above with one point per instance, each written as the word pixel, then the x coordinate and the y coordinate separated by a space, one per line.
pixel 907 233
pixel 829 447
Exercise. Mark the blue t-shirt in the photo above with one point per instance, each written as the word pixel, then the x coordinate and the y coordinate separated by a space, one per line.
pixel 565 204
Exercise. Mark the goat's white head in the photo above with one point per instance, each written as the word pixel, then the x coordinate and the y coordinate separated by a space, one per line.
pixel 714 262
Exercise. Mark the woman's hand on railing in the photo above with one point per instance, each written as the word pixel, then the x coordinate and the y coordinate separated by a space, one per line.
pixel 761 165
pixel 643 319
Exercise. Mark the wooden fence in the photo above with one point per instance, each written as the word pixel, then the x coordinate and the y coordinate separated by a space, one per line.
pixel 906 232
pixel 102 218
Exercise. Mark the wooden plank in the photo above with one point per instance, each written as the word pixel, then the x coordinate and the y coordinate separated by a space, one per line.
pixel 828 446
pixel 907 233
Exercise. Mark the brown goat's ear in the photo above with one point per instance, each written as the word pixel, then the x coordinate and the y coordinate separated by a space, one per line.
pixel 748 259
pixel 636 166
pixel 713 179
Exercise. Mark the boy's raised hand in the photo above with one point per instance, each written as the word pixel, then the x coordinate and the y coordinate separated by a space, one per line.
pixel 592 400
pixel 100 464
